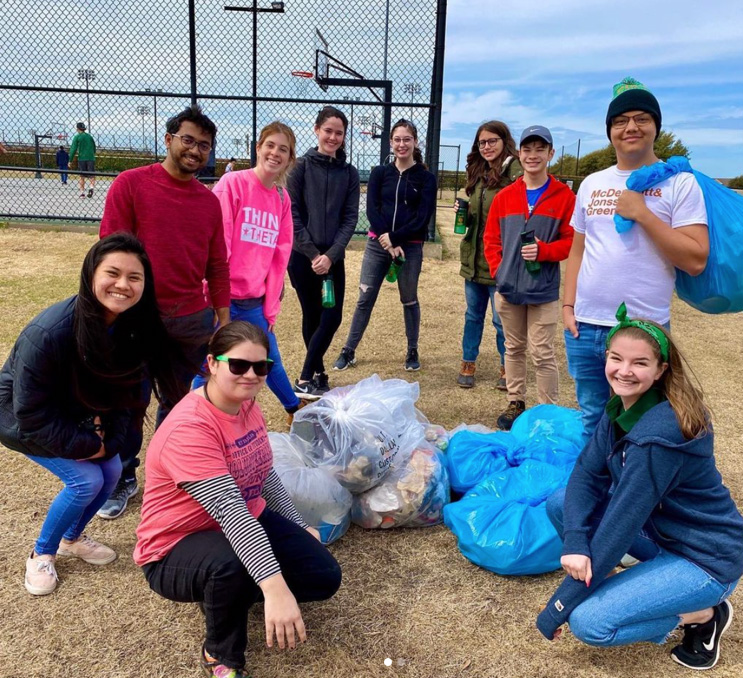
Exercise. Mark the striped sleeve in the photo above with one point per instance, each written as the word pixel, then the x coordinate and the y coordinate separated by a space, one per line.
pixel 278 499
pixel 222 500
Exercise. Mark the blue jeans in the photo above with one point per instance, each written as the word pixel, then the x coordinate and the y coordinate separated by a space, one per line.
pixel 586 360
pixel 477 296
pixel 645 602
pixel 87 485
pixel 277 380
pixel 374 267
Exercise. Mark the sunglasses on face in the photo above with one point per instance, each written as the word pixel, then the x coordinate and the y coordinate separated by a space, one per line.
pixel 239 367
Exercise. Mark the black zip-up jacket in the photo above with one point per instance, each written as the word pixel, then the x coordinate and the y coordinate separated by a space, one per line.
pixel 400 203
pixel 325 204
pixel 39 413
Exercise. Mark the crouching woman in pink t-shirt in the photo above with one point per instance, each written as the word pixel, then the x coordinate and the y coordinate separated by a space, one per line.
pixel 218 527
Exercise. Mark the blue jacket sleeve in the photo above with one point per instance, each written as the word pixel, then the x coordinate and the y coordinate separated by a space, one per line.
pixel 427 205
pixel 374 201
pixel 648 474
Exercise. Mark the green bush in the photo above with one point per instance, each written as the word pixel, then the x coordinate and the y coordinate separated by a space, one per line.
pixel 737 183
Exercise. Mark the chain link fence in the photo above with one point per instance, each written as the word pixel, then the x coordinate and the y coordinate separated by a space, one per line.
pixel 123 67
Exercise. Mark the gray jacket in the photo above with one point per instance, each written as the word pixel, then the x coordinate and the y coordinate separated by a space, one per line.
pixel 325 204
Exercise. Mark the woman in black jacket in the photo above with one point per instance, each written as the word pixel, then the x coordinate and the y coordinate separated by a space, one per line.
pixel 66 387
pixel 401 198
pixel 324 191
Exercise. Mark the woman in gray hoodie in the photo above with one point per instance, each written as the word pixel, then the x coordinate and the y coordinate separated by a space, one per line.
pixel 324 191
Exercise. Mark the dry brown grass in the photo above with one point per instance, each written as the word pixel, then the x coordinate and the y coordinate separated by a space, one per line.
pixel 407 594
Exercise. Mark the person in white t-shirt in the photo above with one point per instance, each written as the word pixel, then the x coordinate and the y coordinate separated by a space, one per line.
pixel 606 268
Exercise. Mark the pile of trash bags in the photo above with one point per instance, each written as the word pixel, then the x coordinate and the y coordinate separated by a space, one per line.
pixel 501 521
pixel 364 453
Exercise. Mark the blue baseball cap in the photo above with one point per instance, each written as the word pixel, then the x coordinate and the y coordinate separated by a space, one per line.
pixel 536 131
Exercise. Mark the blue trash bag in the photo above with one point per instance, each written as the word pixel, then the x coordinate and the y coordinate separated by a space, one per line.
pixel 502 524
pixel 719 288
pixel 474 457
pixel 547 433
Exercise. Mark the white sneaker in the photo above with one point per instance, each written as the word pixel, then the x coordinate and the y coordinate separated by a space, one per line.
pixel 89 550
pixel 41 575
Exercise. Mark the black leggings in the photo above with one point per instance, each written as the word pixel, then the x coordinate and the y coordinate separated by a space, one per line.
pixel 319 324
pixel 202 567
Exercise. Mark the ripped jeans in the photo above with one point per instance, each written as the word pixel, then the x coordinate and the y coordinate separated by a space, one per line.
pixel 374 267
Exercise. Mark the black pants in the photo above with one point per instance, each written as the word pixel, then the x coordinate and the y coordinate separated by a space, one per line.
pixel 202 567
pixel 319 324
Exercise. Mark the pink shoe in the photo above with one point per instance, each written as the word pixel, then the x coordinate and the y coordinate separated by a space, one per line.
pixel 87 549
pixel 41 575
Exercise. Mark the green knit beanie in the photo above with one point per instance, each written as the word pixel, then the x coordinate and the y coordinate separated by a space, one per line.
pixel 631 95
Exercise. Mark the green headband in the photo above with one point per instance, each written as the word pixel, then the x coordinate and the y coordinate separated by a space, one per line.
pixel 660 338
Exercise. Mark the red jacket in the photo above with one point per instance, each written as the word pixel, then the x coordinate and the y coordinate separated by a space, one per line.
pixel 550 221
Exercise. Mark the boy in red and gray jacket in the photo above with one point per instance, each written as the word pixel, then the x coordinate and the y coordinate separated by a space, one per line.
pixel 527 234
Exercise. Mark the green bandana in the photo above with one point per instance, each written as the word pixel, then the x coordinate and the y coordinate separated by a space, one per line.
pixel 652 330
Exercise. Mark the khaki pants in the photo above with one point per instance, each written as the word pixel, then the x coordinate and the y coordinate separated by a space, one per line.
pixel 534 326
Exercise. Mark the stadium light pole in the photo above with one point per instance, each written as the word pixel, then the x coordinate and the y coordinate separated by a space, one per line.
pixel 143 111
pixel 86 74
pixel 413 89
pixel 155 92
pixel 277 7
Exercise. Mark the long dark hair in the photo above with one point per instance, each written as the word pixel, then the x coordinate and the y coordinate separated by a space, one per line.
pixel 327 112
pixel 478 168
pixel 110 363
pixel 402 122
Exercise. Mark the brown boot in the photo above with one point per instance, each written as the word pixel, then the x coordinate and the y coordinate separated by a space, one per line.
pixel 501 385
pixel 510 414
pixel 466 378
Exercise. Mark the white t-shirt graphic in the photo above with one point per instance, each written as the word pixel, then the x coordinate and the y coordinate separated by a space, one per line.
pixel 628 267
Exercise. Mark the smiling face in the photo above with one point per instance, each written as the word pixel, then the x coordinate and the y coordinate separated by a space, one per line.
pixel 231 388
pixel 490 145
pixel 330 135
pixel 403 143
pixel 632 367
pixel 636 137
pixel 534 156
pixel 182 162
pixel 273 155
pixel 118 283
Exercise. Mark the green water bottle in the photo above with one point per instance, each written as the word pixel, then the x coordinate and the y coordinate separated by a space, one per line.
pixel 395 267
pixel 328 292
pixel 460 221
pixel 527 238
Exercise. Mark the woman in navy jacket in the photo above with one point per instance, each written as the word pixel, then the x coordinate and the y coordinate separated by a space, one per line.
pixel 401 197
pixel 66 387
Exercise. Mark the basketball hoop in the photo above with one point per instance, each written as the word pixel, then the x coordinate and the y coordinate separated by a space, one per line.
pixel 302 81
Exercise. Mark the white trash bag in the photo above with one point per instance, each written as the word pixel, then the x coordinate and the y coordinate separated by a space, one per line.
pixel 320 499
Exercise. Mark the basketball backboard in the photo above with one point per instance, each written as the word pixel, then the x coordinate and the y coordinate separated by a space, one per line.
pixel 322 67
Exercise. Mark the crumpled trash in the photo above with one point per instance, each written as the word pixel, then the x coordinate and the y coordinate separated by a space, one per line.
pixel 412 495
pixel 320 499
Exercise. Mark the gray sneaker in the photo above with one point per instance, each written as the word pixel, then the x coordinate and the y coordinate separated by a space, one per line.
pixel 116 504
pixel 346 359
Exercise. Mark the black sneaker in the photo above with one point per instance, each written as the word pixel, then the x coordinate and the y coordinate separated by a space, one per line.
pixel 346 359
pixel 412 361
pixel 700 648
pixel 306 391
pixel 513 411
pixel 322 383
pixel 116 504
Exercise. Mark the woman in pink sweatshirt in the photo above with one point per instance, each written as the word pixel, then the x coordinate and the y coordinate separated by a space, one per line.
pixel 258 230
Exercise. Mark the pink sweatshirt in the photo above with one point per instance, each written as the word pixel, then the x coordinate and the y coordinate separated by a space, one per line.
pixel 258 231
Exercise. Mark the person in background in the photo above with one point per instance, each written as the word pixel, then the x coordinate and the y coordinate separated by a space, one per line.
pixel 325 207
pixel 62 158
pixel 492 164
pixel 66 389
pixel 647 484
pixel 179 222
pixel 218 528
pixel 83 146
pixel 527 235
pixel 401 197
pixel 605 267
pixel 230 166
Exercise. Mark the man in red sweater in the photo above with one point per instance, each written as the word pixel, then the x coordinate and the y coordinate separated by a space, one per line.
pixel 527 234
pixel 179 222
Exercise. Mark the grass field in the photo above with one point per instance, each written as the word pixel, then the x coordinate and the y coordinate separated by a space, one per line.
pixel 407 595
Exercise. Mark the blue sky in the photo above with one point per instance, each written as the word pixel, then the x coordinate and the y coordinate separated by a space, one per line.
pixel 554 62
